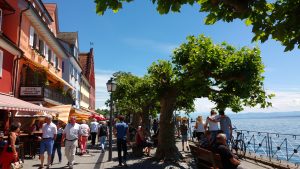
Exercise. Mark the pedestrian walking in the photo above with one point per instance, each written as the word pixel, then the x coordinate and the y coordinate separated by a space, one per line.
pixel 225 125
pixel 102 135
pixel 184 134
pixel 94 130
pixel 57 143
pixel 49 130
pixel 199 129
pixel 70 136
pixel 121 130
pixel 84 134
pixel 154 126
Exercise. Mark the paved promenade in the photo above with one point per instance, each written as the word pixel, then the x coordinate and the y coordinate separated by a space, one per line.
pixel 97 160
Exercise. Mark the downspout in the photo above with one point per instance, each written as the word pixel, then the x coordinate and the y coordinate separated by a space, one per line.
pixel 16 61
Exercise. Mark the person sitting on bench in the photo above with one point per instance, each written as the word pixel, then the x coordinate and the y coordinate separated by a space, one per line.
pixel 141 140
pixel 229 161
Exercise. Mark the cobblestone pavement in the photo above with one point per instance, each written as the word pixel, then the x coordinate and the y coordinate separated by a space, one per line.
pixel 97 160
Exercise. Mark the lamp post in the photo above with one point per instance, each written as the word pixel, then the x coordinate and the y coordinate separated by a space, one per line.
pixel 111 87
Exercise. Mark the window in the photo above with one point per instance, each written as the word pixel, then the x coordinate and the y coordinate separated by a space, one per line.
pixel 0 19
pixel 31 36
pixel 75 74
pixel 35 41
pixel 71 70
pixel 41 47
pixel 50 58
pixel 63 66
pixel 56 62
pixel 46 52
pixel 1 63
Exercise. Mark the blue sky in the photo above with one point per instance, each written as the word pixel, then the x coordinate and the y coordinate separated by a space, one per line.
pixel 133 38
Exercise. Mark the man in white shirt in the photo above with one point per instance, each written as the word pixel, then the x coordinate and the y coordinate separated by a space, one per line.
pixel 49 135
pixel 84 134
pixel 70 136
pixel 94 130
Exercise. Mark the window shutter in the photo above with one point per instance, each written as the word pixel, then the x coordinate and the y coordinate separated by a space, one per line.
pixel 1 62
pixel 31 36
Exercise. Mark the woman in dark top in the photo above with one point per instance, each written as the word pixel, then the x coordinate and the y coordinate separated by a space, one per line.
pixel 9 153
pixel 57 143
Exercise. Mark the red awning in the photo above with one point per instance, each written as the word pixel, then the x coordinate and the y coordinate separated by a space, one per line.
pixel 12 103
pixel 98 117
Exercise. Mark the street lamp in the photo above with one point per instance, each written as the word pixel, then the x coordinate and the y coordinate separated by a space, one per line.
pixel 111 87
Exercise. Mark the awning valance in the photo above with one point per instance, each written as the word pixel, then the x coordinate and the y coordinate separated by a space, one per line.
pixel 80 115
pixel 66 111
pixel 11 103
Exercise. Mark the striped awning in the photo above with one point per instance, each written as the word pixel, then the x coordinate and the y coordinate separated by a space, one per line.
pixel 11 103
pixel 80 115
pixel 66 111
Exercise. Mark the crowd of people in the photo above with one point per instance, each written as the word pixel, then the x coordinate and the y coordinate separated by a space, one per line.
pixel 214 134
pixel 53 137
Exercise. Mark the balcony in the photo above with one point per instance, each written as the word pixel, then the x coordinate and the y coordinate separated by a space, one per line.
pixel 45 93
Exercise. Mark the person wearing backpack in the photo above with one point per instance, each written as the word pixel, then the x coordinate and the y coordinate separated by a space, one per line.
pixel 102 135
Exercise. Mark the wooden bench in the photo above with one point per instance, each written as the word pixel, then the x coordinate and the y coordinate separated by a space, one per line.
pixel 205 158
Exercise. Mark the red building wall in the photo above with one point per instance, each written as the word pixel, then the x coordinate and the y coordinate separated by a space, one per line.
pixel 10 29
pixel 10 23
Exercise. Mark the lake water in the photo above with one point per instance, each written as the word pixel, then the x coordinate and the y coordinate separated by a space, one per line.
pixel 284 146
pixel 284 122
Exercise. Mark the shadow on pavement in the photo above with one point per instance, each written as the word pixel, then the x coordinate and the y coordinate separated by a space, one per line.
pixel 150 163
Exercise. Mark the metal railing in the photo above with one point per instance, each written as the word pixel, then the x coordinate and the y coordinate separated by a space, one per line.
pixel 271 146
pixel 54 95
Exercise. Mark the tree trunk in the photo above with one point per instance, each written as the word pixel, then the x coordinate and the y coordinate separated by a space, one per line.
pixel 145 119
pixel 167 149
pixel 136 119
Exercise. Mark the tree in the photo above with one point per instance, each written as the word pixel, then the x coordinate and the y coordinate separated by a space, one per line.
pixel 278 19
pixel 172 97
pixel 104 112
pixel 230 77
pixel 134 95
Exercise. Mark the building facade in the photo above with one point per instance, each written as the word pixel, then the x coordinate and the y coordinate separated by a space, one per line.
pixel 40 68
pixel 85 93
pixel 71 65
pixel 87 63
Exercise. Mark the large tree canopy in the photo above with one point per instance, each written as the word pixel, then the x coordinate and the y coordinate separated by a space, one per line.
pixel 278 19
pixel 230 77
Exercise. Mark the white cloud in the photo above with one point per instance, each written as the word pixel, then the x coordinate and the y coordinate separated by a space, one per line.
pixel 151 44
pixel 284 101
pixel 102 95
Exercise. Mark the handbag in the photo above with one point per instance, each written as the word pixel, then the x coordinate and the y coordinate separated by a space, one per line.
pixel 16 165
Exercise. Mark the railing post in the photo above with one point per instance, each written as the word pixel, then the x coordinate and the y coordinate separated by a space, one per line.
pixel 268 146
pixel 286 149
